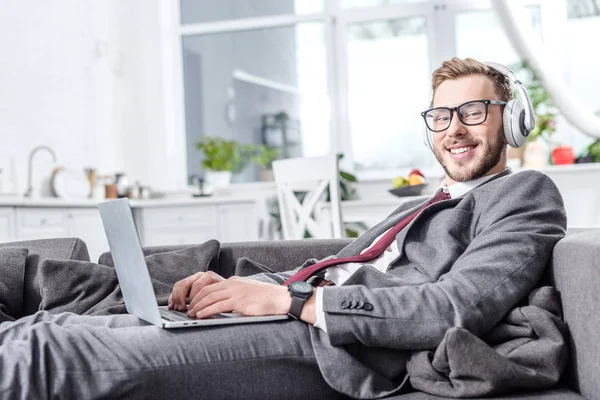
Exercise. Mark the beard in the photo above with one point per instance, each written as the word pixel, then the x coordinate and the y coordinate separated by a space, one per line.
pixel 493 152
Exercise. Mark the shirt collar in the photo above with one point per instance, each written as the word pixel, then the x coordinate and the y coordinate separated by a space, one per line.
pixel 461 188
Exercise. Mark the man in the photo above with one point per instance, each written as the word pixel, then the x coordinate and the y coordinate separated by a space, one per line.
pixel 463 261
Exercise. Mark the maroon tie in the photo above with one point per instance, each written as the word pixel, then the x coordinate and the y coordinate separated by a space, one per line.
pixel 370 254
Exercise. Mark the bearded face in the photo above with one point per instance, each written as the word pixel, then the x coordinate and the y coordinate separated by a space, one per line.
pixel 468 152
pixel 467 158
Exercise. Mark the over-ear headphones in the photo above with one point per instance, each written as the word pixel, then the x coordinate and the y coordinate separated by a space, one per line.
pixel 518 118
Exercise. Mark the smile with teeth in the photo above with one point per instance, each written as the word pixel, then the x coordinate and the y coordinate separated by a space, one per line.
pixel 460 150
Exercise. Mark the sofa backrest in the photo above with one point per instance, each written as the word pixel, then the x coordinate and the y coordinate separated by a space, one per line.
pixel 57 249
pixel 575 272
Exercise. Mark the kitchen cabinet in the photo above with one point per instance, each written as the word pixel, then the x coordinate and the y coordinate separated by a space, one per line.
pixel 45 222
pixel 197 223
pixel 40 223
pixel 159 222
pixel 86 224
pixel 7 224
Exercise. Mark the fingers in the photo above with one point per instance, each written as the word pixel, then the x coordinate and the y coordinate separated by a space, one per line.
pixel 216 308
pixel 206 279
pixel 212 303
pixel 180 291
pixel 189 287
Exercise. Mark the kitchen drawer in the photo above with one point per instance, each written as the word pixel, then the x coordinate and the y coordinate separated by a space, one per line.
pixel 36 218
pixel 179 216
pixel 41 223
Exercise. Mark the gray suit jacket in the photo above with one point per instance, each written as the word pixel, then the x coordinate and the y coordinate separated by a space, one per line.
pixel 464 262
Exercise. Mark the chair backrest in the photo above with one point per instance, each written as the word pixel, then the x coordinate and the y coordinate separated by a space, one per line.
pixel 312 175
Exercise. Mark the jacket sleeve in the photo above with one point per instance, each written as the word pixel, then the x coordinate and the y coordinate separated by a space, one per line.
pixel 523 218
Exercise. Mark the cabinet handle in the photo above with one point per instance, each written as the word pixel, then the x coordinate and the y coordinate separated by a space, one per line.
pixel 43 221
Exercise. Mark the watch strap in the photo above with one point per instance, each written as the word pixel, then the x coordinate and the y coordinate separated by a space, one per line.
pixel 296 306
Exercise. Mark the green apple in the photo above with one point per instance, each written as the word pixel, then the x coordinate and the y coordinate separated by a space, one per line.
pixel 399 181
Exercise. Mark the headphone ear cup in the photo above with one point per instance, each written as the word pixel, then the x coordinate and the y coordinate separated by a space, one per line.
pixel 427 139
pixel 512 120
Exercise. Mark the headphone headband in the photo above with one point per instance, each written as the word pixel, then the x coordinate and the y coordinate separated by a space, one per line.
pixel 529 120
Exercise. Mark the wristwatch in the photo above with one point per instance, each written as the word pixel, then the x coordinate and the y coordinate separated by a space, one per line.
pixel 300 292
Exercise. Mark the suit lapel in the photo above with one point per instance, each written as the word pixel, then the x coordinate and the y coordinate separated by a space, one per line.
pixel 433 209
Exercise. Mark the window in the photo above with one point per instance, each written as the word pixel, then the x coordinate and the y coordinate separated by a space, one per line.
pixel 583 8
pixel 197 11
pixel 475 30
pixel 374 3
pixel 352 75
pixel 388 82
pixel 239 84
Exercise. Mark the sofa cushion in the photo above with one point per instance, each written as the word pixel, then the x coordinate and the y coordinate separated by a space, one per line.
pixel 554 394
pixel 12 270
pixel 58 249
pixel 84 287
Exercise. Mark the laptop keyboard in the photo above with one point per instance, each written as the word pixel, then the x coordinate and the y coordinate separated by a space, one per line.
pixel 174 315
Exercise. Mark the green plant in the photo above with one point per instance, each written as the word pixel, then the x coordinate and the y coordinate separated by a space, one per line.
pixel 593 150
pixel 543 107
pixel 230 155
pixel 264 156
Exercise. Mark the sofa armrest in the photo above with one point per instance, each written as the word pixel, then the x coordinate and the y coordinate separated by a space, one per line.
pixel 56 249
pixel 575 272
pixel 279 255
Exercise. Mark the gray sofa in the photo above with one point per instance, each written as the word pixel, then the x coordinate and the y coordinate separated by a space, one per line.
pixel 575 271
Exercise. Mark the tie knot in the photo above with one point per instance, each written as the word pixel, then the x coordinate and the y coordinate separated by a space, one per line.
pixel 439 196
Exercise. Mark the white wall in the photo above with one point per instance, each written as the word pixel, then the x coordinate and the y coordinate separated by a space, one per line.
pixel 86 78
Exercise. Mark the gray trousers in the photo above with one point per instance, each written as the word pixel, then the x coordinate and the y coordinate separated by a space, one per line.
pixel 86 357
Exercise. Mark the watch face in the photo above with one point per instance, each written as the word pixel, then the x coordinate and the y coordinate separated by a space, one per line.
pixel 301 287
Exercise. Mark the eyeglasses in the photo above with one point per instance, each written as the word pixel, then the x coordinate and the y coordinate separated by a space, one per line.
pixel 470 113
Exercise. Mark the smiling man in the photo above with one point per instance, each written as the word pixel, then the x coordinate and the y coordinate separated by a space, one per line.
pixel 463 258
pixel 472 145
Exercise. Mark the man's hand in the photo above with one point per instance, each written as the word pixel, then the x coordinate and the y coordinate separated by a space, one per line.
pixel 210 294
pixel 246 296
pixel 189 288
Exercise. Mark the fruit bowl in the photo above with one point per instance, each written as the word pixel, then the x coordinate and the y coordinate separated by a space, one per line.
pixel 408 190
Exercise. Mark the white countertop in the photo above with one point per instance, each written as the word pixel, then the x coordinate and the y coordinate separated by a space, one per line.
pixel 18 201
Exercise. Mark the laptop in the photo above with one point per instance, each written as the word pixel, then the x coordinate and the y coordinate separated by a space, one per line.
pixel 134 278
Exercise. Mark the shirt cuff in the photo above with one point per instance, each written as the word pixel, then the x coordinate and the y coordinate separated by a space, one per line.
pixel 320 322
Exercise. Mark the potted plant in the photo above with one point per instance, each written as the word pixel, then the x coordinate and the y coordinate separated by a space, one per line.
pixel 545 112
pixel 222 158
pixel 264 157
pixel 591 154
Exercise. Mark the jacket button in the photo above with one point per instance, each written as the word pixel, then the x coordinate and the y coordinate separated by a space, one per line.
pixel 368 306
pixel 345 304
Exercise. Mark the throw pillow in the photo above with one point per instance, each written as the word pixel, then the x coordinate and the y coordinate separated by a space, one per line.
pixel 12 271
pixel 88 288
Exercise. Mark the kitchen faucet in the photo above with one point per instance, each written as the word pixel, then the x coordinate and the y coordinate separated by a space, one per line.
pixel 29 191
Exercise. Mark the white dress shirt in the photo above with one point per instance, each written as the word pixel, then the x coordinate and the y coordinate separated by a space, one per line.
pixel 340 273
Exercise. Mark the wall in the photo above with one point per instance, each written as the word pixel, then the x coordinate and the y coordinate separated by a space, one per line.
pixel 47 71
pixel 86 78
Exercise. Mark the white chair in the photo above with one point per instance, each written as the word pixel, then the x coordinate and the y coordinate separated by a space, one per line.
pixel 313 175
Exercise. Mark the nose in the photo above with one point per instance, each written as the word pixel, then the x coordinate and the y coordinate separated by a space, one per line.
pixel 456 127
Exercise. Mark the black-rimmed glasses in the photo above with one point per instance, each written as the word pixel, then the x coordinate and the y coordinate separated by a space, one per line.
pixel 470 113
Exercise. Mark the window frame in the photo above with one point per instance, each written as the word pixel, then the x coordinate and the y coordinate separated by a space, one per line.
pixel 441 31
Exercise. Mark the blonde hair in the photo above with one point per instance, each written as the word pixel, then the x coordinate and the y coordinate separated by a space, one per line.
pixel 458 67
